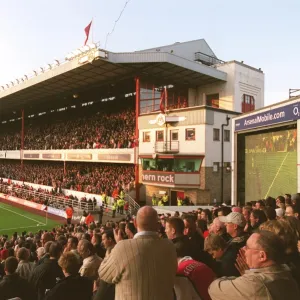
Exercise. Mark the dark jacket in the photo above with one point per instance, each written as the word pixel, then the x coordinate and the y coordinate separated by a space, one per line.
pixel 106 291
pixel 228 260
pixel 44 276
pixel 12 286
pixel 72 287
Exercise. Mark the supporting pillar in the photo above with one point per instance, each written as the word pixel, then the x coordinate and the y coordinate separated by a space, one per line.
pixel 136 148
pixel 22 143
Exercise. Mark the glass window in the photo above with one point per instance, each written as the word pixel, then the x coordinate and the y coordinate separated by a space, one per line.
pixel 212 100
pixel 226 135
pixel 190 134
pixel 146 136
pixel 215 167
pixel 160 136
pixel 174 135
pixel 216 134
pixel 187 165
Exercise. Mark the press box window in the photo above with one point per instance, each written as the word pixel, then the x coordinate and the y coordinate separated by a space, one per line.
pixel 216 134
pixel 146 136
pixel 159 136
pixel 226 135
pixel 190 134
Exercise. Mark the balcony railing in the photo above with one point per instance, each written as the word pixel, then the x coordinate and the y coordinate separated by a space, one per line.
pixel 167 147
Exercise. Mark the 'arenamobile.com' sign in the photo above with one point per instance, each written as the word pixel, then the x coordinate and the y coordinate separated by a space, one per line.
pixel 164 178
pixel 277 115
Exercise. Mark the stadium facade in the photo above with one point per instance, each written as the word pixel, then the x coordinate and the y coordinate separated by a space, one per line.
pixel 184 97
pixel 265 160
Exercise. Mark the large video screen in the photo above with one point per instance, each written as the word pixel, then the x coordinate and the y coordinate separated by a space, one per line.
pixel 271 164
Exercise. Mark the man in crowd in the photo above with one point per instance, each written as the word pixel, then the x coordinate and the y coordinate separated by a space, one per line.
pixel 73 286
pixel 193 277
pixel 44 276
pixel 267 277
pixel 108 241
pixel 143 267
pixel 12 285
pixel 235 224
pixel 91 261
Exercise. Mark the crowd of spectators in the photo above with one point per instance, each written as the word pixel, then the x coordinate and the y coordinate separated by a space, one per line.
pixel 249 252
pixel 80 129
pixel 89 178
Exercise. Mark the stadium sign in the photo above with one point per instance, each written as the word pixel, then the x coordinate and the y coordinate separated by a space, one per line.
pixel 168 179
pixel 277 115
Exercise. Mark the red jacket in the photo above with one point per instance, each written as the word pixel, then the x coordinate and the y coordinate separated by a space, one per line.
pixel 199 274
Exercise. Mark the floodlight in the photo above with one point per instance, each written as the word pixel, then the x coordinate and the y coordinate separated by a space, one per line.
pixel 42 69
pixel 3 88
pixel 57 62
pixel 7 85
pixel 25 77
pixel 12 83
pixel 35 72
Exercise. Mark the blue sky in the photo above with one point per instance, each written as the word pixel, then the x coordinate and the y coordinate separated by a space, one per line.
pixel 262 33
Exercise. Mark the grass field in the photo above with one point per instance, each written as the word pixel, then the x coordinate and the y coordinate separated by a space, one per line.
pixel 270 174
pixel 13 219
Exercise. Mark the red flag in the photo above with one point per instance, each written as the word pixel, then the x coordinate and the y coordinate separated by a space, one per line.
pixel 87 32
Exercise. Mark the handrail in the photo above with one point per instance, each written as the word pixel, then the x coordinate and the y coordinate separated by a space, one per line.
pixel 133 205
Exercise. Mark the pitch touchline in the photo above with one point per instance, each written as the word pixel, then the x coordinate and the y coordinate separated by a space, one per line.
pixel 276 174
pixel 21 215
pixel 5 229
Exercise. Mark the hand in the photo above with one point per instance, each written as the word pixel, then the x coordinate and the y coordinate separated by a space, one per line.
pixel 117 235
pixel 241 263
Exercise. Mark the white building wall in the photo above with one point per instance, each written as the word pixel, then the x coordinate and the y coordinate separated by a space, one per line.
pixel 241 79
pixel 213 148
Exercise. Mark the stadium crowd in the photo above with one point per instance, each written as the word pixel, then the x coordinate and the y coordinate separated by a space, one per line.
pixel 89 178
pixel 249 252
pixel 76 130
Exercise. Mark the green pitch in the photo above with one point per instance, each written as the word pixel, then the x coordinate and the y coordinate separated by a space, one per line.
pixel 270 174
pixel 13 219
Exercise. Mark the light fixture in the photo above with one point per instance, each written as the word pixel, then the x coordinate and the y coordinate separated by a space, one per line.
pixel 12 83
pixel 42 69
pixel 35 72
pixel 25 77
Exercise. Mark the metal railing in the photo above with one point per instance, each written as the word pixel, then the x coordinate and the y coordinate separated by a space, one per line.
pixel 133 205
pixel 47 199
pixel 207 59
pixel 167 147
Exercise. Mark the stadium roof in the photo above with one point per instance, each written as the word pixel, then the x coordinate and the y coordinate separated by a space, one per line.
pixel 84 72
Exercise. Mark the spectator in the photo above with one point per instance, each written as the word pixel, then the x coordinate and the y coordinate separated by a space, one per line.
pixel 257 217
pixel 267 277
pixel 25 267
pixel 235 224
pixel 219 228
pixel 91 261
pixel 12 285
pixel 73 286
pixel 193 277
pixel 145 254
pixel 108 241
pixel 44 276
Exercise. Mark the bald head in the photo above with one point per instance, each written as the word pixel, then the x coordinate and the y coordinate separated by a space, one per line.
pixel 146 219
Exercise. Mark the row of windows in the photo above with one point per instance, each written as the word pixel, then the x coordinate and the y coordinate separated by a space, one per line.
pixel 189 135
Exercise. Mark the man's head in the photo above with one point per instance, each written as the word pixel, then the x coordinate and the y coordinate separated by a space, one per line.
pixel 23 254
pixel 215 245
pixel 46 237
pixel 55 250
pixel 217 227
pixel 235 223
pixel 70 263
pixel 264 249
pixel 108 239
pixel 174 228
pixel 85 248
pixel 72 243
pixel 146 219
pixel 11 264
